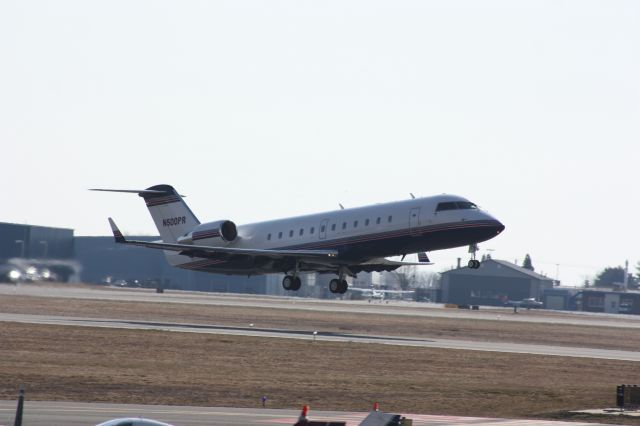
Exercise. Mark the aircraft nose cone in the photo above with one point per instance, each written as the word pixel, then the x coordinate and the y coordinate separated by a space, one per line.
pixel 499 227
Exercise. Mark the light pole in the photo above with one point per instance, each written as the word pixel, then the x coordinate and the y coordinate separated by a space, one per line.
pixel 46 247
pixel 21 242
pixel 489 253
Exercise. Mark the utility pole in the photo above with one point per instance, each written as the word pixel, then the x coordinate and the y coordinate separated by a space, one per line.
pixel 21 242
pixel 46 247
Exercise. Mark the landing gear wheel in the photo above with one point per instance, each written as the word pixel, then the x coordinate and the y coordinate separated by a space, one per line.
pixel 474 264
pixel 297 283
pixel 291 283
pixel 343 286
pixel 334 286
pixel 288 282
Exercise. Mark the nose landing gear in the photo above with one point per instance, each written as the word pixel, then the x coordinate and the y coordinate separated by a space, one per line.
pixel 473 263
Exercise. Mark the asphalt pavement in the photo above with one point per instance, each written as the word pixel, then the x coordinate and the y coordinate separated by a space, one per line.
pixel 47 413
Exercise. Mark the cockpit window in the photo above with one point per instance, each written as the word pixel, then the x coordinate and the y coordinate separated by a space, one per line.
pixel 456 205
pixel 449 205
pixel 466 205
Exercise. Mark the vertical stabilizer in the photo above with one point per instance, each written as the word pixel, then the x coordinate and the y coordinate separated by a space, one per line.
pixel 172 216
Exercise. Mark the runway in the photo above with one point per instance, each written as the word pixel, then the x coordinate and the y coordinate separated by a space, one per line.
pixel 403 308
pixel 564 351
pixel 47 413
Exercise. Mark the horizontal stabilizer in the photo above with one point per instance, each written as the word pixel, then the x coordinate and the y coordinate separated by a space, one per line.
pixel 135 191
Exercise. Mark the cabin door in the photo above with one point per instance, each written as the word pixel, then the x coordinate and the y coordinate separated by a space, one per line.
pixel 323 229
pixel 414 221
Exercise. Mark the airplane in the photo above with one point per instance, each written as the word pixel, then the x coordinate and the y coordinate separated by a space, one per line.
pixel 529 303
pixel 374 293
pixel 344 242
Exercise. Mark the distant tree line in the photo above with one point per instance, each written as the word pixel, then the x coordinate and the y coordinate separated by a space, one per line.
pixel 614 276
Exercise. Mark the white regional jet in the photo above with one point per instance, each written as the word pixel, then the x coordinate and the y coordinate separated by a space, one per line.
pixel 343 242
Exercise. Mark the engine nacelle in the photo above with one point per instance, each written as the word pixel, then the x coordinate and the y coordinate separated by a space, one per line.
pixel 224 231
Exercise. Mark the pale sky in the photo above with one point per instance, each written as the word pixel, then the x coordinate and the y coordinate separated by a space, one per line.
pixel 260 110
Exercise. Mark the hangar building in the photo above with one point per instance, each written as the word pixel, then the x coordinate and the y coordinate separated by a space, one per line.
pixel 34 249
pixel 34 242
pixel 492 284
pixel 610 301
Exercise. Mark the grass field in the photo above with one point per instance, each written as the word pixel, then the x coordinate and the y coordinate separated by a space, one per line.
pixel 154 367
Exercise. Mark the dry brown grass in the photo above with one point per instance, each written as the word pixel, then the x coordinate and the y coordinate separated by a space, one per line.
pixel 357 323
pixel 153 367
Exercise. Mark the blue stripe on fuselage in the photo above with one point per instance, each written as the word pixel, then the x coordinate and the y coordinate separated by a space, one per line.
pixel 389 243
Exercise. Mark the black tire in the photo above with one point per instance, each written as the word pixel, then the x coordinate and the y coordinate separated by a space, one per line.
pixel 343 286
pixel 471 264
pixel 334 286
pixel 287 282
pixel 477 264
pixel 297 283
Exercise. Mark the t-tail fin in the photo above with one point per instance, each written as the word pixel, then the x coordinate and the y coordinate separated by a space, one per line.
pixel 170 213
pixel 172 216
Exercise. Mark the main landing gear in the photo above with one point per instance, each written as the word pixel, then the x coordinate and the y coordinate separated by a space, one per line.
pixel 291 283
pixel 473 264
pixel 337 286
pixel 340 285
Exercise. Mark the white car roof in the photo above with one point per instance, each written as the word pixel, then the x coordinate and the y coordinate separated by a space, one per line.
pixel 133 421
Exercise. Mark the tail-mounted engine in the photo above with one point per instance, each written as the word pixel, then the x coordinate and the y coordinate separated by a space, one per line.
pixel 220 232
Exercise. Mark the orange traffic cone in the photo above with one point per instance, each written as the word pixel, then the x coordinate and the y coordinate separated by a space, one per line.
pixel 303 415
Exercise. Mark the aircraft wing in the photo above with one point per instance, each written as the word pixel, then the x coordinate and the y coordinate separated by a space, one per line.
pixel 381 264
pixel 394 263
pixel 197 250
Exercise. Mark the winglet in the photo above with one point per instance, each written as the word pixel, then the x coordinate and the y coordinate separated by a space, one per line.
pixel 423 258
pixel 116 232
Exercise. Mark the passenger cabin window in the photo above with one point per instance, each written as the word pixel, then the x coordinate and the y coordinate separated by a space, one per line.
pixel 456 205
pixel 322 228
pixel 378 221
pixel 355 223
pixel 301 231
pixel 312 230
pixel 389 219
pixel 366 222
pixel 344 225
pixel 279 235
pixel 291 233
pixel 268 237
pixel 333 227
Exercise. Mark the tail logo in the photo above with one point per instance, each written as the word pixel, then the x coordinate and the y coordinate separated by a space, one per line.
pixel 173 221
